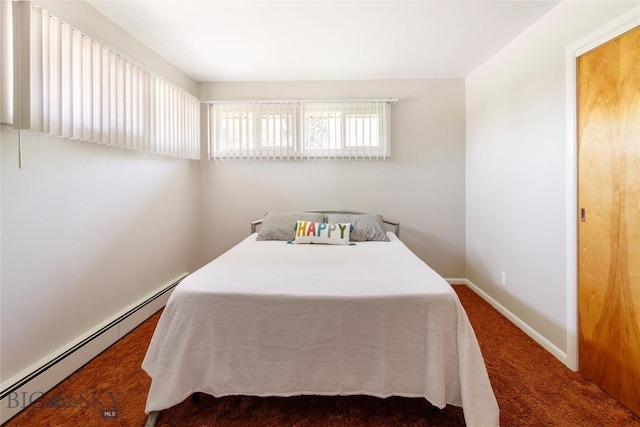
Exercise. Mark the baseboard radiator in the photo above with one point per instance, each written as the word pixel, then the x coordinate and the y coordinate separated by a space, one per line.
pixel 37 380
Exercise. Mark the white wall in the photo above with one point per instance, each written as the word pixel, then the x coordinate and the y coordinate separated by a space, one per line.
pixel 516 168
pixel 87 230
pixel 422 185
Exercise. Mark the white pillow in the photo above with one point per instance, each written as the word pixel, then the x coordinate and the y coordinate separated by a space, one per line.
pixel 322 232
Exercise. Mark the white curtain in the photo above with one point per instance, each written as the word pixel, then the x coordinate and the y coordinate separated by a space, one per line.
pixel 82 90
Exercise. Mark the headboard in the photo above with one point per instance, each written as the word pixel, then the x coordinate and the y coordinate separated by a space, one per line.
pixel 390 222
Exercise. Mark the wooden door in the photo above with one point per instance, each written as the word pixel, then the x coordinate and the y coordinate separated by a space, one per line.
pixel 609 223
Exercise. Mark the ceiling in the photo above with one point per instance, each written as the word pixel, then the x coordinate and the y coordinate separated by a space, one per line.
pixel 238 40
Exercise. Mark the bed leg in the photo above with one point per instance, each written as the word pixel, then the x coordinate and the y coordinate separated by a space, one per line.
pixel 151 419
pixel 195 397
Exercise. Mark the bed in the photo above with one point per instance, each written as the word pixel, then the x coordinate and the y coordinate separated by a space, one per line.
pixel 277 318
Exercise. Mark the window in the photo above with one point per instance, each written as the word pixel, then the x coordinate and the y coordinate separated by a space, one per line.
pixel 300 129
pixel 76 88
pixel 254 129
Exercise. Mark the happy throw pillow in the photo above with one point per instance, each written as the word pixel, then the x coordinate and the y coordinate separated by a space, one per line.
pixel 320 232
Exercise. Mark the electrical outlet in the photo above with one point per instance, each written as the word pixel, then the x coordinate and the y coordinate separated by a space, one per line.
pixel 503 279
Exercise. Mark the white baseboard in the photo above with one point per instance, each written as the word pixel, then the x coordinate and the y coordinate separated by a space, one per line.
pixel 22 389
pixel 457 281
pixel 539 338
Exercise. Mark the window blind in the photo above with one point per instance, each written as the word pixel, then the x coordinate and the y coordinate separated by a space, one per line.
pixel 300 129
pixel 254 129
pixel 6 62
pixel 82 90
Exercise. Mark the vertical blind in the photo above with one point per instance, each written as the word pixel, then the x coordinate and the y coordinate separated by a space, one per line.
pixel 300 129
pixel 82 90
pixel 253 129
pixel 6 62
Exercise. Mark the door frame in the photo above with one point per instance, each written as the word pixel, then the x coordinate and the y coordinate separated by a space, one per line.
pixel 613 29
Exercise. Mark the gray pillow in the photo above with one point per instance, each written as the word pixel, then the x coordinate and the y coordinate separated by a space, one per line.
pixel 281 225
pixel 365 227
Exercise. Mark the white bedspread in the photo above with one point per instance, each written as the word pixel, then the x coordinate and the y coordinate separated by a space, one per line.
pixel 269 318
